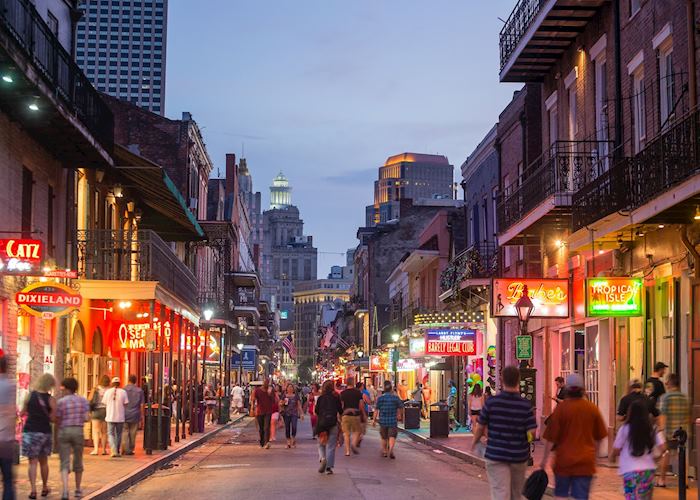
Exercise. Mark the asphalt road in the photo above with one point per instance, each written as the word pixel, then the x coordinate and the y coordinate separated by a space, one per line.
pixel 232 465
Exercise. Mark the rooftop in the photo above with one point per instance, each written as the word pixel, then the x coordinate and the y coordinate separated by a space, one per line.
pixel 416 158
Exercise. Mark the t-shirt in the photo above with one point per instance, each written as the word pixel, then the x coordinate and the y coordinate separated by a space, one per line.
pixel 657 389
pixel 238 393
pixel 575 426
pixel 388 406
pixel 630 398
pixel 630 463
pixel 115 399
pixel 403 392
pixel 476 402
pixel 507 416
pixel 351 399
pixel 265 401
pixel 676 408
pixel 291 407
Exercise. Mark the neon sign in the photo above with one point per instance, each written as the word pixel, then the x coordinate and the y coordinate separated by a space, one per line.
pixel 449 342
pixel 549 296
pixel 48 300
pixel 134 336
pixel 19 255
pixel 614 296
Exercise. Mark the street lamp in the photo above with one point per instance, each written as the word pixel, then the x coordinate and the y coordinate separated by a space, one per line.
pixel 524 308
pixel 395 358
pixel 240 364
pixel 208 313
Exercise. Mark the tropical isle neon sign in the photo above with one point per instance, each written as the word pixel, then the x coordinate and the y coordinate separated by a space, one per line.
pixel 614 296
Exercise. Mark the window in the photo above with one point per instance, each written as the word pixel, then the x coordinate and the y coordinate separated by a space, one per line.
pixel 666 90
pixel 635 5
pixel 639 109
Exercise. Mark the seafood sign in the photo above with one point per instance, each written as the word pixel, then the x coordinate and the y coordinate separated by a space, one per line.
pixel 550 297
pixel 449 342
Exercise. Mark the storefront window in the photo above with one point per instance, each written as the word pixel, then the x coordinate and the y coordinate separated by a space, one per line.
pixel 565 337
pixel 592 362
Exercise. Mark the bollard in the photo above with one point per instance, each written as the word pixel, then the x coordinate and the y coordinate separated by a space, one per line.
pixel 682 436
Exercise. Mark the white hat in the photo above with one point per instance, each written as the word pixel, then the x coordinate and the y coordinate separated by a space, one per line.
pixel 574 381
pixel 116 380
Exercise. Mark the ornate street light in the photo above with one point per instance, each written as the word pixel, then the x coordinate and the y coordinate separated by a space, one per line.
pixel 524 306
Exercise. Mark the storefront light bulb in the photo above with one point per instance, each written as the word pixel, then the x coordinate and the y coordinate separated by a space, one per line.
pixel 34 106
pixel 7 79
pixel 124 304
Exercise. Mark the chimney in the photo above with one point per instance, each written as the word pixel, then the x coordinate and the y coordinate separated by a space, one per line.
pixel 230 174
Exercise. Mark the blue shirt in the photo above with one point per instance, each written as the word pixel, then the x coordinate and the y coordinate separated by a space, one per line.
pixel 132 411
pixel 388 405
pixel 507 416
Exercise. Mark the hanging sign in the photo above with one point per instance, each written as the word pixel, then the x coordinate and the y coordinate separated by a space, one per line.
pixel 48 300
pixel 523 347
pixel 20 256
pixel 416 347
pixel 407 365
pixel 614 296
pixel 378 363
pixel 450 342
pixel 549 296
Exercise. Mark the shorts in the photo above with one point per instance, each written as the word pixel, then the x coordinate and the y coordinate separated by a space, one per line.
pixel 638 483
pixel 576 487
pixel 36 444
pixel 388 432
pixel 70 439
pixel 351 423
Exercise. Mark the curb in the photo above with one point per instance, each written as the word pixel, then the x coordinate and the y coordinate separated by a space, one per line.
pixel 120 485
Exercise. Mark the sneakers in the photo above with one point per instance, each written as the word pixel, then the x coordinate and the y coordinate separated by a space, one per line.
pixel 329 471
pixel 322 467
pixel 267 446
pixel 392 456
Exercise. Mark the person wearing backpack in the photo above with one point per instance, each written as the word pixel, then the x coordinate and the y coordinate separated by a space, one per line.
pixel 328 409
pixel 98 414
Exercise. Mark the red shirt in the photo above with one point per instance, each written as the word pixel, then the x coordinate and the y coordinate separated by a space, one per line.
pixel 264 401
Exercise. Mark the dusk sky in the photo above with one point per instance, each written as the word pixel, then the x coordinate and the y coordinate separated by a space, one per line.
pixel 326 90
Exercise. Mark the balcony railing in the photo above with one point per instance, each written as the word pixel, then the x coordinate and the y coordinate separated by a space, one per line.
pixel 57 68
pixel 477 261
pixel 134 256
pixel 563 169
pixel 516 26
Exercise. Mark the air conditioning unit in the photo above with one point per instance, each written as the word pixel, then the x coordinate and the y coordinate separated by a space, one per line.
pixel 193 204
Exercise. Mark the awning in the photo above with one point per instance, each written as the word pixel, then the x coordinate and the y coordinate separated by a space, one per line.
pixel 165 210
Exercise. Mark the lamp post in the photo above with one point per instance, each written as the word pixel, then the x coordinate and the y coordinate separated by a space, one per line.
pixel 524 308
pixel 395 358
pixel 240 364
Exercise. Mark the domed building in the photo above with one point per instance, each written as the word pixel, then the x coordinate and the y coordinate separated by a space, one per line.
pixel 280 192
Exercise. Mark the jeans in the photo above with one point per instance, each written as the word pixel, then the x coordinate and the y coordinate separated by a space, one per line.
pixel 114 431
pixel 129 437
pixel 327 450
pixel 506 479
pixel 576 487
pixel 8 487
pixel 290 426
pixel 264 428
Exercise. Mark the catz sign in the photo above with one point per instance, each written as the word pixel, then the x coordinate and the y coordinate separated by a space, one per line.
pixel 20 256
pixel 48 300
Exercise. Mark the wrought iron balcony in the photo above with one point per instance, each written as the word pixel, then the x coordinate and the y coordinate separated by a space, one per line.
pixel 477 261
pixel 563 169
pixel 134 256
pixel 27 40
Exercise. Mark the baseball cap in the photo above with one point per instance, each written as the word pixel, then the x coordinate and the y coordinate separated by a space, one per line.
pixel 660 365
pixel 574 381
pixel 635 383
pixel 116 380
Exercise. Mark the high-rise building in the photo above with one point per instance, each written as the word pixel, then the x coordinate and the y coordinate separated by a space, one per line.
pixel 409 176
pixel 121 45
pixel 280 192
pixel 253 203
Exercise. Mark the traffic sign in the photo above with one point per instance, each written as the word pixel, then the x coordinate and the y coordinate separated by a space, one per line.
pixel 249 359
pixel 523 347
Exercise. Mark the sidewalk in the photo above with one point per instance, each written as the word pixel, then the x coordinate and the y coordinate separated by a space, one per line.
pixel 105 477
pixel 607 484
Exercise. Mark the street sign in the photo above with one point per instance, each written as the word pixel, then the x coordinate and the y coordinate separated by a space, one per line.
pixel 523 347
pixel 249 359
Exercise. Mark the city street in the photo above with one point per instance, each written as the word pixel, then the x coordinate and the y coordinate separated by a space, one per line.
pixel 232 465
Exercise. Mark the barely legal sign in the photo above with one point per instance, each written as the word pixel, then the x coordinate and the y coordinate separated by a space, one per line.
pixel 614 297
pixel 48 300
pixel 449 342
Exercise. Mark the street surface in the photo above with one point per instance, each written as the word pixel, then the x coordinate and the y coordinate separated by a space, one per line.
pixel 232 465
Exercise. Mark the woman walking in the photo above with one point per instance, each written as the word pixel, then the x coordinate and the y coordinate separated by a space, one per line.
pixel 476 403
pixel 71 414
pixel 39 409
pixel 329 410
pixel 313 396
pixel 636 443
pixel 292 411
pixel 210 401
pixel 274 420
pixel 98 414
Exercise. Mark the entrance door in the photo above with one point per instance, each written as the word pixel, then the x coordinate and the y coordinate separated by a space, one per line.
pixel 592 363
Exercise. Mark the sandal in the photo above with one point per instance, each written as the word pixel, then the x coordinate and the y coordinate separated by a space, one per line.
pixel 659 485
pixel 32 495
pixel 45 492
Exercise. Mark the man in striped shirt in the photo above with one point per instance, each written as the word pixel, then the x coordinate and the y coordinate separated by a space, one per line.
pixel 509 418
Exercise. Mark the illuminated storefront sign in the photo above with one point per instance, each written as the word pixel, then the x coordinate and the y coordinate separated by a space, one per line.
pixel 20 256
pixel 378 363
pixel 144 336
pixel 549 296
pixel 614 296
pixel 450 342
pixel 416 347
pixel 48 300
pixel 407 365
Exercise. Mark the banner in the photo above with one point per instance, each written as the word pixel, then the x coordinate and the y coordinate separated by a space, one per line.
pixel 549 296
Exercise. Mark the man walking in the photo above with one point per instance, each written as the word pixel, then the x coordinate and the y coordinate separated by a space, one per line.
pixel 675 413
pixel 262 402
pixel 655 386
pixel 7 431
pixel 353 412
pixel 132 415
pixel 508 418
pixel 115 400
pixel 237 396
pixel 387 410
pixel 635 394
pixel 71 414
pixel 576 428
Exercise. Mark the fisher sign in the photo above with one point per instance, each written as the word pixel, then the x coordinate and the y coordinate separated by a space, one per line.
pixel 448 342
pixel 614 296
pixel 48 300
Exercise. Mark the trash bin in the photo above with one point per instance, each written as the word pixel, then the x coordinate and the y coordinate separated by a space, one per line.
pixel 200 413
pixel 439 420
pixel 150 429
pixel 224 409
pixel 411 418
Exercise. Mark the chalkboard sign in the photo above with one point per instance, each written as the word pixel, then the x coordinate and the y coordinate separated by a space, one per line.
pixel 528 377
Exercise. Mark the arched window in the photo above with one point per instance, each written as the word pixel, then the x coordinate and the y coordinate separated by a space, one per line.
pixel 97 346
pixel 77 343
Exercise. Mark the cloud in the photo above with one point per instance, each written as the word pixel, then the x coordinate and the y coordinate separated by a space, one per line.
pixel 356 177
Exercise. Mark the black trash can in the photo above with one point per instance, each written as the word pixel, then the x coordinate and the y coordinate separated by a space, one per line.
pixel 411 416
pixel 150 429
pixel 439 420
pixel 224 409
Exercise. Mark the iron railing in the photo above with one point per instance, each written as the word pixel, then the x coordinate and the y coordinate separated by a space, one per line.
pixel 477 261
pixel 134 256
pixel 562 169
pixel 21 19
pixel 516 26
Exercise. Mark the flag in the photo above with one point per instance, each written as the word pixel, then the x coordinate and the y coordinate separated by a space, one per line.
pixel 328 337
pixel 288 345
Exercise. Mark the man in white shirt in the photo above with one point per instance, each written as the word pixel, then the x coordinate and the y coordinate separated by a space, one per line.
pixel 237 396
pixel 115 399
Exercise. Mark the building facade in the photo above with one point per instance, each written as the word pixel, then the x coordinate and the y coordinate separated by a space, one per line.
pixel 121 46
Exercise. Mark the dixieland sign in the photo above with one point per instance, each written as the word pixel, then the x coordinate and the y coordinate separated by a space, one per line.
pixel 48 300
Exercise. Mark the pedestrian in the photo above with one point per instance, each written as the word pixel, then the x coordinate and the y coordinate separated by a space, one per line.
pixel 40 411
pixel 367 407
pixel 237 395
pixel 402 390
pixel 561 391
pixel 476 403
pixel 635 393
pixel 373 393
pixel 291 410
pixel 351 422
pixel 7 431
pixel 329 409
pixel 388 410
pixel 132 415
pixel 427 398
pixel 98 412
pixel 636 444
pixel 72 411
pixel 313 397
pixel 115 400
pixel 487 393
pixel 261 402
pixel 508 420
pixel 654 385
pixel 275 417
pixel 210 402
pixel 452 405
pixel 576 428
pixel 675 414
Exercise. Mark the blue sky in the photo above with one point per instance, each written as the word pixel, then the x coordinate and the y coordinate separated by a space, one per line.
pixel 325 90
